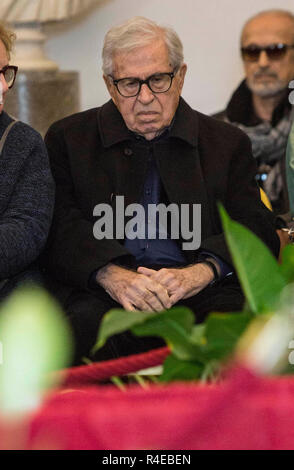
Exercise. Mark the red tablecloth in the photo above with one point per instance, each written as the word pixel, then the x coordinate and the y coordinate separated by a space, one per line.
pixel 242 412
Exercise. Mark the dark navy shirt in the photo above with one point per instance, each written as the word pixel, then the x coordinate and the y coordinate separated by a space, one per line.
pixel 149 251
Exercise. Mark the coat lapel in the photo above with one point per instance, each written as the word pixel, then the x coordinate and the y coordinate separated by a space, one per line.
pixel 180 167
pixel 181 174
pixel 131 174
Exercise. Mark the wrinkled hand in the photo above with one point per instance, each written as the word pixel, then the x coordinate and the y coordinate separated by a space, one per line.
pixel 181 283
pixel 134 291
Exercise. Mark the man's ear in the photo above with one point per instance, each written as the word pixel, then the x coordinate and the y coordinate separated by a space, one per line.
pixel 109 85
pixel 182 74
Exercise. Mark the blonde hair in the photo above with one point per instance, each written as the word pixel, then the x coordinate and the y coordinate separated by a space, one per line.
pixel 139 32
pixel 7 37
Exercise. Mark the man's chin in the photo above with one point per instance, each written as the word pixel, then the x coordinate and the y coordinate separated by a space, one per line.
pixel 149 131
pixel 266 89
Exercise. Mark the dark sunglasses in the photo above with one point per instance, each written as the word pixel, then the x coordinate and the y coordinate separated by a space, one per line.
pixel 273 51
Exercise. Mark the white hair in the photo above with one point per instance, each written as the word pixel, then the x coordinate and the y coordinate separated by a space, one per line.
pixel 139 32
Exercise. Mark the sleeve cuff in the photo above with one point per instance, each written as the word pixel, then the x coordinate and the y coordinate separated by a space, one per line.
pixel 225 268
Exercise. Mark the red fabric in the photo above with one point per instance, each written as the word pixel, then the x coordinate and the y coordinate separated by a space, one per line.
pixel 101 371
pixel 242 412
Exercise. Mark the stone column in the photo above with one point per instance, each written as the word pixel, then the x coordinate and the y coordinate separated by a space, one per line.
pixel 42 93
pixel 40 98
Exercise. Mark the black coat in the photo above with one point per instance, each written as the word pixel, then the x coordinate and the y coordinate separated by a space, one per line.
pixel 93 159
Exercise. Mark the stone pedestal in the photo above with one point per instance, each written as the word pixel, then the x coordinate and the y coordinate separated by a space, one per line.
pixel 40 98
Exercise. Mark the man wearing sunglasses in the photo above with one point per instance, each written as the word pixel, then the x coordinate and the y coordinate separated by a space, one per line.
pixel 147 147
pixel 260 105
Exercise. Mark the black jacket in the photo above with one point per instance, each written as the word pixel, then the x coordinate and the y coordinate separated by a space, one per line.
pixel 93 159
pixel 26 198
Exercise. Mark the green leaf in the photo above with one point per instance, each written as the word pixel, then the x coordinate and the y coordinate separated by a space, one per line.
pixel 260 276
pixel 117 321
pixel 223 331
pixel 174 326
pixel 35 340
pixel 287 266
pixel 176 369
pixel 198 334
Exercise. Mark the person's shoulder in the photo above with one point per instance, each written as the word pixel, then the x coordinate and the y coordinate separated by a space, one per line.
pixel 80 120
pixel 21 142
pixel 220 115
pixel 219 129
pixel 12 124
pixel 211 126
pixel 22 136
pixel 25 129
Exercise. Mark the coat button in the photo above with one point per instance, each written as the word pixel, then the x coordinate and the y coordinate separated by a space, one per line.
pixel 128 152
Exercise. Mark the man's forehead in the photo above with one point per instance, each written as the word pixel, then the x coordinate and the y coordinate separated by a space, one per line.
pixel 142 61
pixel 268 28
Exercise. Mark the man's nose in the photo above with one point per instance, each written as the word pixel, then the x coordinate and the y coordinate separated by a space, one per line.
pixel 263 60
pixel 145 95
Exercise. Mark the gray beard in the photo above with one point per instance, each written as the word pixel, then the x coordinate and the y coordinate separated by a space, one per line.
pixel 269 90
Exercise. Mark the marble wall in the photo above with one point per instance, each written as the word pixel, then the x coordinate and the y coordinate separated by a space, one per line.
pixel 40 98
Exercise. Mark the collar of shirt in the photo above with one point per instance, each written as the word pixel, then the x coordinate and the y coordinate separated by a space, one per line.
pixel 163 135
pixel 113 130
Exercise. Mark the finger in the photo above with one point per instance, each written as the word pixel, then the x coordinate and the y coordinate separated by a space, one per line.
pixel 164 277
pixel 146 271
pixel 151 292
pixel 128 304
pixel 175 298
pixel 173 287
pixel 144 307
pixel 140 302
pixel 139 295
pixel 153 301
pixel 129 307
pixel 145 290
pixel 148 301
pixel 168 283
pixel 161 294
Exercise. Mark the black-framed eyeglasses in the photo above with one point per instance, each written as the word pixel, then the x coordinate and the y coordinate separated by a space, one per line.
pixel 131 86
pixel 273 51
pixel 9 72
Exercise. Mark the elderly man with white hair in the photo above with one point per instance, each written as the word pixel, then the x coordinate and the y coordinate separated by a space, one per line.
pixel 146 148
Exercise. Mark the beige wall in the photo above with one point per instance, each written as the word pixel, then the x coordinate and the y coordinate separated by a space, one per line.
pixel 209 30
